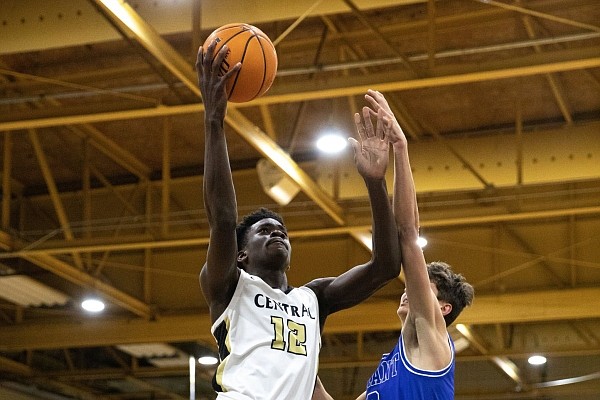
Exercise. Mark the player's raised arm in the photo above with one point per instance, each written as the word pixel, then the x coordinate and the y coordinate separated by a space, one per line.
pixel 423 303
pixel 371 155
pixel 219 275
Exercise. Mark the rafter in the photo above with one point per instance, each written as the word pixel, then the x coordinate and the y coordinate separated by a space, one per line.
pixel 527 66
pixel 123 15
pixel 549 305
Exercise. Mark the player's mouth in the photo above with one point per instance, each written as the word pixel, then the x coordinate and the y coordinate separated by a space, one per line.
pixel 277 240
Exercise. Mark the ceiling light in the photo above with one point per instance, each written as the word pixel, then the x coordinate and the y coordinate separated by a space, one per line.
pixel 331 143
pixel 537 360
pixel 207 360
pixel 92 305
pixel 421 241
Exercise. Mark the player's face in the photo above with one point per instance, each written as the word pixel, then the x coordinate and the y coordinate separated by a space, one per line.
pixel 268 237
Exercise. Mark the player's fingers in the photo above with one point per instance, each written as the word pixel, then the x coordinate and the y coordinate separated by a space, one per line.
pixel 232 70
pixel 380 99
pixel 217 63
pixel 373 111
pixel 208 54
pixel 371 100
pixel 376 106
pixel 377 95
pixel 381 124
pixel 199 58
pixel 369 131
pixel 359 127
pixel 355 147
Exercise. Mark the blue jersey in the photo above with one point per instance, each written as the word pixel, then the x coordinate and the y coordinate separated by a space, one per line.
pixel 396 379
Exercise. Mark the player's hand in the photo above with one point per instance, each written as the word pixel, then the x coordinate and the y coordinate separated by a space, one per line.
pixel 371 153
pixel 378 102
pixel 211 78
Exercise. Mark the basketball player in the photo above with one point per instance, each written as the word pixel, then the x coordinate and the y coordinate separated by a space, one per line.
pixel 268 332
pixel 421 365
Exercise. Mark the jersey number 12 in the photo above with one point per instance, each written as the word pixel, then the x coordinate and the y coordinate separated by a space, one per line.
pixel 296 337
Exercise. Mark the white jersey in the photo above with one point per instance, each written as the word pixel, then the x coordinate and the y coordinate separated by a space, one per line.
pixel 269 343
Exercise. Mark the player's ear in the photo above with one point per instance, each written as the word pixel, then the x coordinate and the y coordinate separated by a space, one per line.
pixel 241 256
pixel 446 308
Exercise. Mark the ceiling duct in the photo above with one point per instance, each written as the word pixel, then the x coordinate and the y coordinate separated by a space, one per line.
pixel 27 292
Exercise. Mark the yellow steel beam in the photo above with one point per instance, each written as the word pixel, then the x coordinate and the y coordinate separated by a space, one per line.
pixel 551 305
pixel 6 180
pixel 556 91
pixel 165 203
pixel 54 196
pixel 542 15
pixel 269 149
pixel 352 88
pixel 502 362
pixel 408 84
pixel 112 150
pixel 199 238
pixel 81 278
pixel 13 367
pixel 53 190
pixel 123 15
pixel 6 241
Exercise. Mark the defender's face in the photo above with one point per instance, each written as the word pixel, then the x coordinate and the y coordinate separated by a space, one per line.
pixel 403 308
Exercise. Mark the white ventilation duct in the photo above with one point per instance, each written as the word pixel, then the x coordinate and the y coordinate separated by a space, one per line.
pixel 27 292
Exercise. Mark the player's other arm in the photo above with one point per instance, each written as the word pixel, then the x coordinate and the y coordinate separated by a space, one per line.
pixel 424 307
pixel 360 282
pixel 219 275
pixel 321 394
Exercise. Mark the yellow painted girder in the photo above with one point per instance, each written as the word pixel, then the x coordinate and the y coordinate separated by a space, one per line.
pixel 549 305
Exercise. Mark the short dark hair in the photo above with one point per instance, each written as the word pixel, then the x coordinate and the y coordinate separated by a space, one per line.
pixel 250 219
pixel 451 287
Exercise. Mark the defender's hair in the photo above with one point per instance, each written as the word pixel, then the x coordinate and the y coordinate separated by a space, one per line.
pixel 451 287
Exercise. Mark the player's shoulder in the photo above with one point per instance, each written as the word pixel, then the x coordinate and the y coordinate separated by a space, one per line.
pixel 319 284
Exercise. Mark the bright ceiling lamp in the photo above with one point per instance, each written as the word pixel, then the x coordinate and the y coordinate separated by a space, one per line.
pixel 93 305
pixel 332 143
pixel 536 360
pixel 207 360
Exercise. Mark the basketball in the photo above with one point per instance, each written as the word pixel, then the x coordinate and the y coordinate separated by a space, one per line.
pixel 253 48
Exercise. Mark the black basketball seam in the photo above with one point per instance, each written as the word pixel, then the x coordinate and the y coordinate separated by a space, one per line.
pixel 233 85
pixel 244 29
pixel 264 78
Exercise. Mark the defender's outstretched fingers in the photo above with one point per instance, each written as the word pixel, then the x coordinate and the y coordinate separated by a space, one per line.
pixel 369 130
pixel 380 133
pixel 359 127
pixel 374 104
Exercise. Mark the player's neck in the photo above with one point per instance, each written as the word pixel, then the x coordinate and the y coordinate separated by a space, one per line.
pixel 274 278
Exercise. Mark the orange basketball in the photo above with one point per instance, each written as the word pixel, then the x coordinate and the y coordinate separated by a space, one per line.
pixel 253 48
